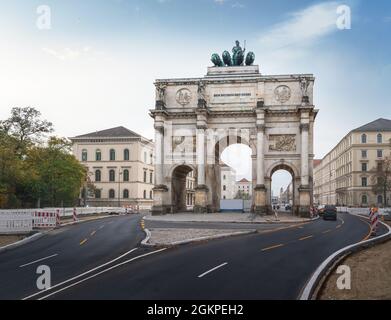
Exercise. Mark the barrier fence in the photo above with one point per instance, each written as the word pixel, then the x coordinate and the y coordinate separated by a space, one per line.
pixel 25 220
pixel 365 211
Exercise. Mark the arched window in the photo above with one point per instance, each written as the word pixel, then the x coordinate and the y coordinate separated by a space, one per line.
pixel 379 138
pixel 126 175
pixel 98 176
pixel 364 199
pixel 150 194
pixel 112 175
pixel 98 155
pixel 224 188
pixel 126 194
pixel 126 154
pixel 150 177
pixel 111 194
pixel 112 155
pixel 84 155
pixel 98 194
pixel 364 138
pixel 379 199
pixel 145 194
pixel 145 176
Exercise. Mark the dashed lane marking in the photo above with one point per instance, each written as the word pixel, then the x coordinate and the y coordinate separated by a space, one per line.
pixel 305 238
pixel 213 269
pixel 272 247
pixel 326 231
pixel 93 233
pixel 83 241
pixel 39 260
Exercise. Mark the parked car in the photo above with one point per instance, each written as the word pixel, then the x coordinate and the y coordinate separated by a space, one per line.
pixel 330 213
pixel 288 207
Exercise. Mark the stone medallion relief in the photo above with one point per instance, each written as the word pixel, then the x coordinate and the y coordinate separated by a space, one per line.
pixel 282 93
pixel 183 96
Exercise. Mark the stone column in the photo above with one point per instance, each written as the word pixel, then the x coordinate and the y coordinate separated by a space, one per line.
pixel 201 191
pixel 160 189
pixel 260 189
pixel 304 190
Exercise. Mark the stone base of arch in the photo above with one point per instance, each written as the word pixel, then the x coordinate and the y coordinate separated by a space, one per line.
pixel 201 199
pixel 260 196
pixel 305 201
pixel 159 194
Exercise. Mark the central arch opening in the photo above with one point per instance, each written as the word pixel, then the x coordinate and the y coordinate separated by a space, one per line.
pixel 282 190
pixel 236 177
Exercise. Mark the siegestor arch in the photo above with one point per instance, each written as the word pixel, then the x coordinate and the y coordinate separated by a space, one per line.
pixel 230 139
pixel 283 165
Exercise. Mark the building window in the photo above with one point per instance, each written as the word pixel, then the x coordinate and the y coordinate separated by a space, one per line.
pixel 98 175
pixel 224 188
pixel 364 199
pixel 112 155
pixel 145 194
pixel 145 176
pixel 126 175
pixel 111 194
pixel 379 153
pixel 379 138
pixel 364 153
pixel 145 157
pixel 111 175
pixel 98 194
pixel 151 177
pixel 126 194
pixel 364 167
pixel 126 154
pixel 98 155
pixel 224 177
pixel 224 198
pixel 364 138
pixel 84 155
pixel 379 199
pixel 151 194
pixel 364 182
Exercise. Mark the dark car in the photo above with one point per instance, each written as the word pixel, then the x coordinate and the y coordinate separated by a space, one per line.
pixel 330 213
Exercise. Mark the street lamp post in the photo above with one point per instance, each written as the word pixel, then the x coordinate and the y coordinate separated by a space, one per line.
pixel 119 188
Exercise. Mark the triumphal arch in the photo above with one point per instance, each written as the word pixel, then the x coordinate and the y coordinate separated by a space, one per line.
pixel 195 119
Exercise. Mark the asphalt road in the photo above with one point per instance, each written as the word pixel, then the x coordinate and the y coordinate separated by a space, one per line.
pixel 68 251
pixel 268 265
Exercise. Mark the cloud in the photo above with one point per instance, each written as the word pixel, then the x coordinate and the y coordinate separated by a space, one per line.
pixel 238 5
pixel 70 54
pixel 303 27
pixel 220 1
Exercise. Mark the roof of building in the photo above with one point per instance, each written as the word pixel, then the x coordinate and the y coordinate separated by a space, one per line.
pixel 317 162
pixel 380 124
pixel 244 180
pixel 111 133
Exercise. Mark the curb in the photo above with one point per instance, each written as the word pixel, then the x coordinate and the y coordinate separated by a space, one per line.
pixel 181 242
pixel 81 221
pixel 320 274
pixel 19 243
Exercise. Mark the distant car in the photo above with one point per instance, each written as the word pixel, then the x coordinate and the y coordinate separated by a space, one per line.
pixel 330 213
pixel 288 207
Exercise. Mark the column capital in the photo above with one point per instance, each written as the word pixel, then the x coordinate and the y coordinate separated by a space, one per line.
pixel 261 127
pixel 159 128
pixel 201 127
pixel 304 127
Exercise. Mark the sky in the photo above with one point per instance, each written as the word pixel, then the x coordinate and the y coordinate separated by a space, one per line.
pixel 95 66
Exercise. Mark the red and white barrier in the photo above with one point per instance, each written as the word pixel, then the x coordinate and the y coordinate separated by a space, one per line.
pixel 374 218
pixel 44 219
pixel 74 215
pixel 58 221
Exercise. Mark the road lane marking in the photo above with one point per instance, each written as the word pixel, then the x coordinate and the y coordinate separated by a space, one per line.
pixel 282 228
pixel 101 272
pixel 327 231
pixel 93 233
pixel 272 247
pixel 42 259
pixel 82 274
pixel 101 227
pixel 213 269
pixel 337 227
pixel 83 241
pixel 305 238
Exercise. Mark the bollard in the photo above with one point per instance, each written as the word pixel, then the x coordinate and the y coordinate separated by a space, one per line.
pixel 74 215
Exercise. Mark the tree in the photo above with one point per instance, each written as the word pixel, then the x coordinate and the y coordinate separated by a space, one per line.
pixel 25 125
pixel 381 178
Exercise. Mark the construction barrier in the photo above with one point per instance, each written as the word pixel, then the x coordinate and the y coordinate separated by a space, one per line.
pixel 374 218
pixel 44 219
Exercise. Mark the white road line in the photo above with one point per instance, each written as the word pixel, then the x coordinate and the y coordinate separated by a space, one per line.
pixel 80 275
pixel 213 269
pixel 32 262
pixel 101 272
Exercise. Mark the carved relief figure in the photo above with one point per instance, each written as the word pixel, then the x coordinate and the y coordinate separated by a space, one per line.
pixel 183 96
pixel 282 93
pixel 160 91
pixel 201 90
pixel 304 84
pixel 282 142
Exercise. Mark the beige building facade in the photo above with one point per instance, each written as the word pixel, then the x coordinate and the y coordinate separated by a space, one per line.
pixel 345 175
pixel 120 166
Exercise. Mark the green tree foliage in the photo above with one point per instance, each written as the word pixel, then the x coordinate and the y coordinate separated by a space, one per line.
pixel 33 172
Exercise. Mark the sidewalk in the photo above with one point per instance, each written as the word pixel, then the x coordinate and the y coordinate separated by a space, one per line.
pixel 227 217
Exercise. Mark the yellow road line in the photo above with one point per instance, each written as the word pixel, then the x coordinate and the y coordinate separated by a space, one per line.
pixel 272 247
pixel 305 238
pixel 83 242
